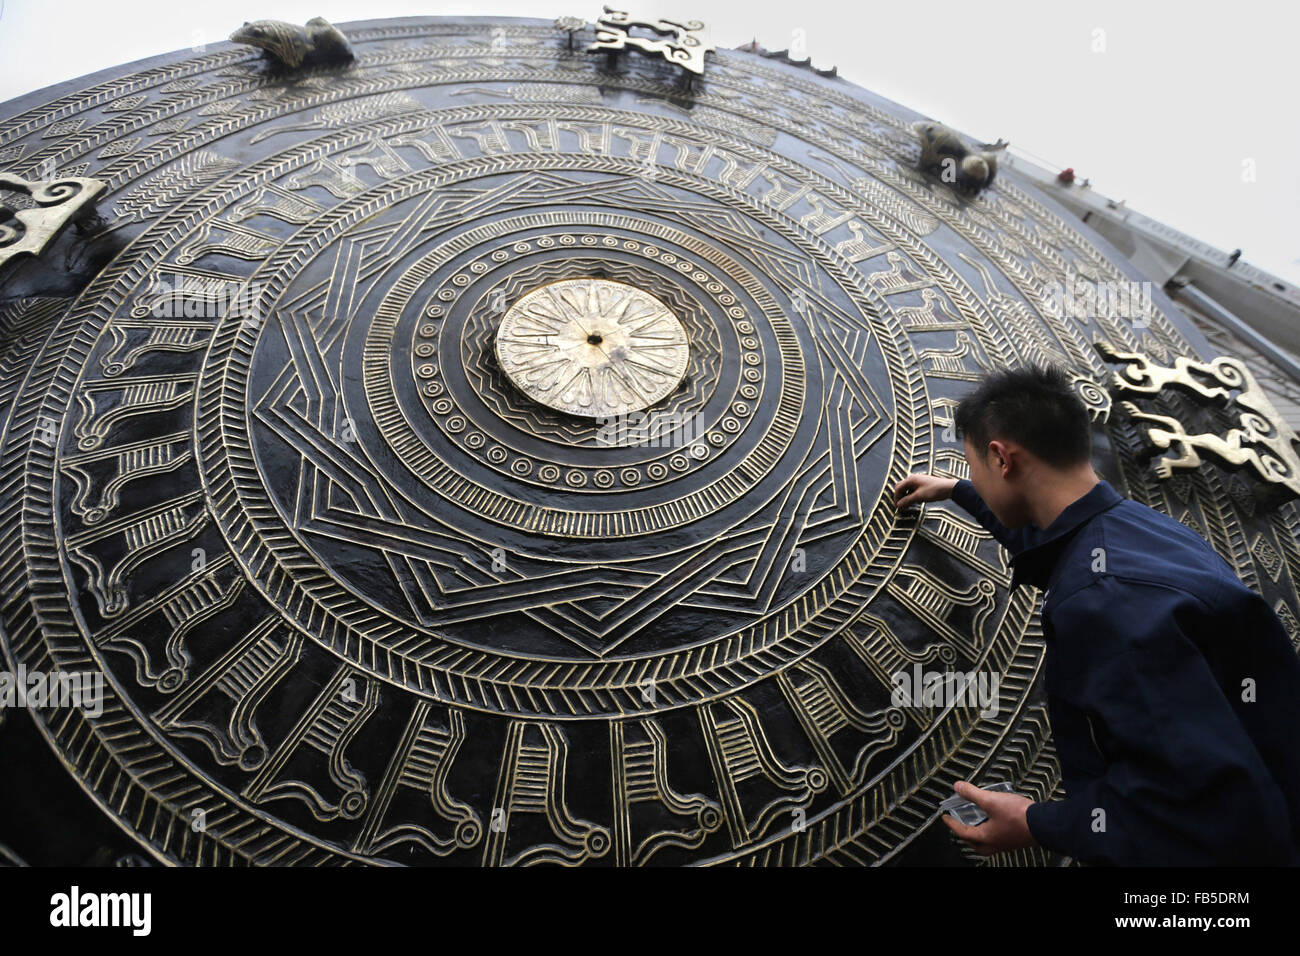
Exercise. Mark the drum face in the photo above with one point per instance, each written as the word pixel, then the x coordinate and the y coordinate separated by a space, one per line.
pixel 483 453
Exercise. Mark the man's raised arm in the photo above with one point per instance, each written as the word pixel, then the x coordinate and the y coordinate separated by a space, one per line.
pixel 917 488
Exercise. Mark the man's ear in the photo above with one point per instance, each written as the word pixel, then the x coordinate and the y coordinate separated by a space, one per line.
pixel 1000 456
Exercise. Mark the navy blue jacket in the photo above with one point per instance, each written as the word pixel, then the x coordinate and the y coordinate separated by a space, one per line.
pixel 1149 637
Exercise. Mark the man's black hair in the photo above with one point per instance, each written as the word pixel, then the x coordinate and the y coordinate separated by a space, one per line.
pixel 1035 406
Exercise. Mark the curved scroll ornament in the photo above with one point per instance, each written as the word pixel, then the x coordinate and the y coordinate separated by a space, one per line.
pixel 684 46
pixel 1263 441
pixel 1095 398
pixel 26 232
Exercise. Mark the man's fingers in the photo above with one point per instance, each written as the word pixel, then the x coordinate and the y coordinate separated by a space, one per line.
pixel 970 834
pixel 1000 831
pixel 956 826
pixel 907 491
pixel 981 798
pixel 973 794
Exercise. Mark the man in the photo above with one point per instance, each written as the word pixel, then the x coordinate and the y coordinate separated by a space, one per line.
pixel 1173 690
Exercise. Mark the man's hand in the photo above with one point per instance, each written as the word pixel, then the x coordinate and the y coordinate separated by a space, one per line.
pixel 917 488
pixel 1006 827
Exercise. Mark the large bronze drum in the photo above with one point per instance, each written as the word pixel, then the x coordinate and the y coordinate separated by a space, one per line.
pixel 481 454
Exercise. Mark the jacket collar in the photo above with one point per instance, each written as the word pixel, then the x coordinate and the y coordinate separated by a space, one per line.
pixel 1033 563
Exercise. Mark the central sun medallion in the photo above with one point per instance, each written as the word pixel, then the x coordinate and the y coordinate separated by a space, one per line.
pixel 592 347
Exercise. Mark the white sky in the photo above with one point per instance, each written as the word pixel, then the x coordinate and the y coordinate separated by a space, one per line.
pixel 1185 95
